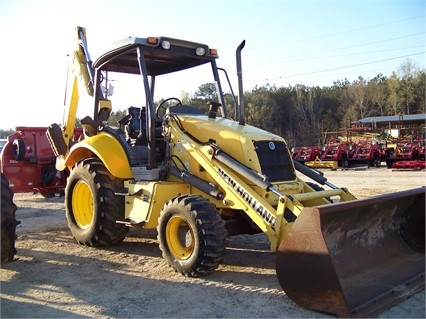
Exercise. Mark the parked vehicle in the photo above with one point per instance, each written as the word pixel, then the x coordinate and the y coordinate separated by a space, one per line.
pixel 337 152
pixel 405 150
pixel 28 162
pixel 367 153
pixel 306 153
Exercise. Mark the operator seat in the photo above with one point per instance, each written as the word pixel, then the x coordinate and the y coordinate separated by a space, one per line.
pixel 92 126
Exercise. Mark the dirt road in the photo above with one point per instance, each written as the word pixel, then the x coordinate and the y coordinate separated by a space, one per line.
pixel 56 278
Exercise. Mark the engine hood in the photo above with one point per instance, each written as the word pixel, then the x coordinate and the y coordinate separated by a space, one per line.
pixel 236 140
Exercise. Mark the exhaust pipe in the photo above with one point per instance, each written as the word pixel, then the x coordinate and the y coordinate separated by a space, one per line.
pixel 240 110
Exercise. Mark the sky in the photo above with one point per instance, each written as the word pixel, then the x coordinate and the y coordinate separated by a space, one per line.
pixel 307 42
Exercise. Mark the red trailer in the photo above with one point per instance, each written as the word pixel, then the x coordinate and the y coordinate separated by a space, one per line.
pixel 28 162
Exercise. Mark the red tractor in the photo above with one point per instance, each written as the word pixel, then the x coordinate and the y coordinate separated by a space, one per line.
pixel 306 153
pixel 337 152
pixel 404 151
pixel 365 153
pixel 28 162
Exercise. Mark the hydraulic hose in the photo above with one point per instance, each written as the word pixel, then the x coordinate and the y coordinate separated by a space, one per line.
pixel 317 177
pixel 259 180
pixel 196 182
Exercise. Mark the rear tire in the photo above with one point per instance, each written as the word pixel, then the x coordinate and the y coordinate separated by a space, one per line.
pixel 192 235
pixel 377 162
pixel 344 162
pixel 8 222
pixel 91 206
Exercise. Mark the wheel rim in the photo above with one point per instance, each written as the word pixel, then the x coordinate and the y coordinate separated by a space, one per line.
pixel 82 204
pixel 180 238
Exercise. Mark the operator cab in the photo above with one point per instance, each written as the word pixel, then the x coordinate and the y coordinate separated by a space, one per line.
pixel 140 64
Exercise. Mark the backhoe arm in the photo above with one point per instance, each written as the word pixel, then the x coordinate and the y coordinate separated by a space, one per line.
pixel 80 74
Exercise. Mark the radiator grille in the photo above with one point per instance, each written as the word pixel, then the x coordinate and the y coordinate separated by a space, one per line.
pixel 275 160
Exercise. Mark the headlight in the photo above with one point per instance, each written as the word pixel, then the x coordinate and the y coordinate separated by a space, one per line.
pixel 200 51
pixel 165 45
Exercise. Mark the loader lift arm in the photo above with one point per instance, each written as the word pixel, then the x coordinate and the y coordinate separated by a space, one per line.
pixel 329 257
pixel 334 249
pixel 230 174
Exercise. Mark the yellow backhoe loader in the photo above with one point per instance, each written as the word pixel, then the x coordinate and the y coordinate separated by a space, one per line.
pixel 197 176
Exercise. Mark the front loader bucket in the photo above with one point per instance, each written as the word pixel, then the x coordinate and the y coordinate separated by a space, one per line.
pixel 357 258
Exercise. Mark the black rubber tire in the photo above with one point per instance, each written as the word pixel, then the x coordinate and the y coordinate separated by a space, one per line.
pixel 389 161
pixel 377 162
pixel 344 162
pixel 92 206
pixel 8 222
pixel 56 139
pixel 48 174
pixel 196 221
pixel 48 178
pixel 18 150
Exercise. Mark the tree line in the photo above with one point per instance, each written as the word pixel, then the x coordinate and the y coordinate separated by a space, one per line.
pixel 301 113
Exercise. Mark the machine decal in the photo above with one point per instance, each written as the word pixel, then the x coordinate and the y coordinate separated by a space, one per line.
pixel 259 209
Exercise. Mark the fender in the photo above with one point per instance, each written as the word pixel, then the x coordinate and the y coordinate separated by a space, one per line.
pixel 109 151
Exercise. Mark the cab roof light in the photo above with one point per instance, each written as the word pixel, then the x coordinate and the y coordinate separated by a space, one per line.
pixel 152 40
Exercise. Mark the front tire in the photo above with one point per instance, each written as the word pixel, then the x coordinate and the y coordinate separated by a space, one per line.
pixel 192 235
pixel 92 206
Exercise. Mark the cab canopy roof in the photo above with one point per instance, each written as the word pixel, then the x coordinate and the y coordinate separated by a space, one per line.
pixel 181 54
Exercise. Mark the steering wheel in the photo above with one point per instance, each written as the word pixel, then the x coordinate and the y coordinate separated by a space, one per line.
pixel 164 107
